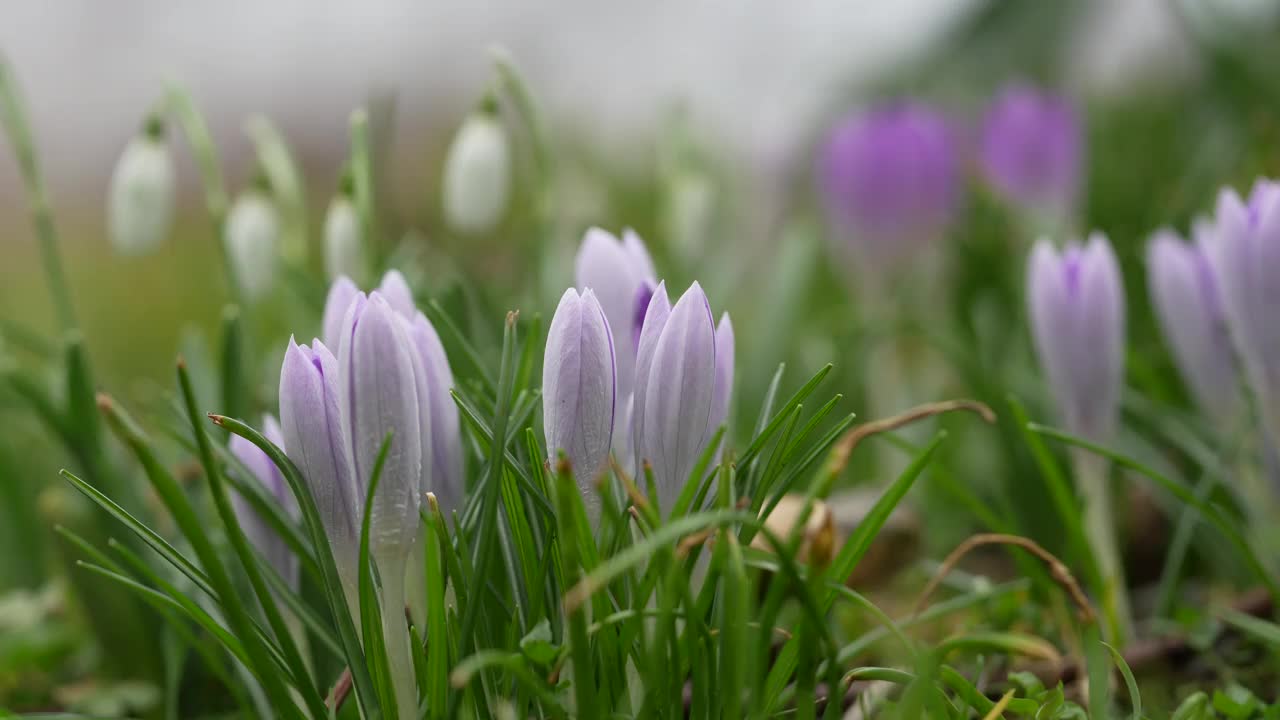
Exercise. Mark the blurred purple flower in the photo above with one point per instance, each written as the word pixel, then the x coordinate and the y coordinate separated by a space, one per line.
pixel 621 275
pixel 579 387
pixel 684 371
pixel 1031 149
pixel 255 527
pixel 889 177
pixel 1076 300
pixel 1245 254
pixel 1185 295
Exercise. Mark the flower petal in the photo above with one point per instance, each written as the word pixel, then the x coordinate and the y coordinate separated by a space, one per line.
pixel 341 293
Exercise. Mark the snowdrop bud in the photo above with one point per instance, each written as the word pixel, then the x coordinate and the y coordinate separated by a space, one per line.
pixel 477 174
pixel 890 180
pixel 1245 254
pixel 1185 295
pixel 1077 312
pixel 253 240
pixel 343 244
pixel 1031 149
pixel 379 396
pixel 141 199
pixel 678 391
pixel 256 528
pixel 620 274
pixel 579 386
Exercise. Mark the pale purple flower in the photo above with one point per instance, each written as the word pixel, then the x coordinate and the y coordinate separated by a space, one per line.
pixel 444 474
pixel 1245 254
pixel 1031 148
pixel 890 181
pixel 579 386
pixel 1076 303
pixel 264 472
pixel 621 275
pixel 1185 295
pixel 682 384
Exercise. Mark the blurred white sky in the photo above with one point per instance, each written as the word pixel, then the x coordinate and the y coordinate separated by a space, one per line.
pixel 755 72
pixel 752 75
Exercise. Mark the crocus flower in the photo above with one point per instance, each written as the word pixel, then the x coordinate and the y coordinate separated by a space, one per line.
pixel 141 199
pixel 253 241
pixel 444 476
pixel 579 386
pixel 1077 321
pixel 1185 295
pixel 889 178
pixel 1245 254
pixel 1031 149
pixel 621 275
pixel 682 383
pixel 259 532
pixel 477 174
pixel 343 246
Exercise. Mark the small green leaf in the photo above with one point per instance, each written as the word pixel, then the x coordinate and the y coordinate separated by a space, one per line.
pixel 537 645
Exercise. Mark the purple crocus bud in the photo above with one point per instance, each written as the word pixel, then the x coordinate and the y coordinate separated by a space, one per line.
pixel 1187 303
pixel 396 290
pixel 678 390
pixel 1031 149
pixel 311 421
pixel 889 177
pixel 1077 321
pixel 443 476
pixel 579 386
pixel 378 396
pixel 621 275
pixel 1245 254
pixel 724 375
pixel 341 293
pixel 259 532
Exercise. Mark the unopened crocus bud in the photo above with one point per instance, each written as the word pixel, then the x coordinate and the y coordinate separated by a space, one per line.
pixel 621 275
pixel 676 388
pixel 1185 295
pixel 724 373
pixel 579 386
pixel 477 174
pixel 1077 314
pixel 141 199
pixel 1031 149
pixel 264 472
pixel 1245 253
pixel 343 245
pixel 253 241
pixel 889 178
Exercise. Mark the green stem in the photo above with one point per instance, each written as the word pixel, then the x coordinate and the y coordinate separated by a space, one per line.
pixel 14 118
pixel 396 636
pixel 179 102
pixel 1100 529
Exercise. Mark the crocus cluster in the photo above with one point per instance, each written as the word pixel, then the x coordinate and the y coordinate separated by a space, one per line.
pixel 890 181
pixel 627 371
pixel 390 377
pixel 258 531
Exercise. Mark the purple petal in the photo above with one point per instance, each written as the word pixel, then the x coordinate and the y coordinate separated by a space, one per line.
pixel 679 394
pixel 312 430
pixel 445 472
pixel 396 290
pixel 615 271
pixel 1032 148
pixel 1185 297
pixel 341 293
pixel 579 386
pixel 724 375
pixel 379 397
pixel 655 319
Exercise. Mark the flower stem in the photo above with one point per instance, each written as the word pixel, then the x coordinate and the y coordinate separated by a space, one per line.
pixel 13 117
pixel 396 635
pixel 1099 528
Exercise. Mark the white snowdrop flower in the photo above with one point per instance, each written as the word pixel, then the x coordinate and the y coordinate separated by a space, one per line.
pixel 140 201
pixel 343 244
pixel 253 240
pixel 477 174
